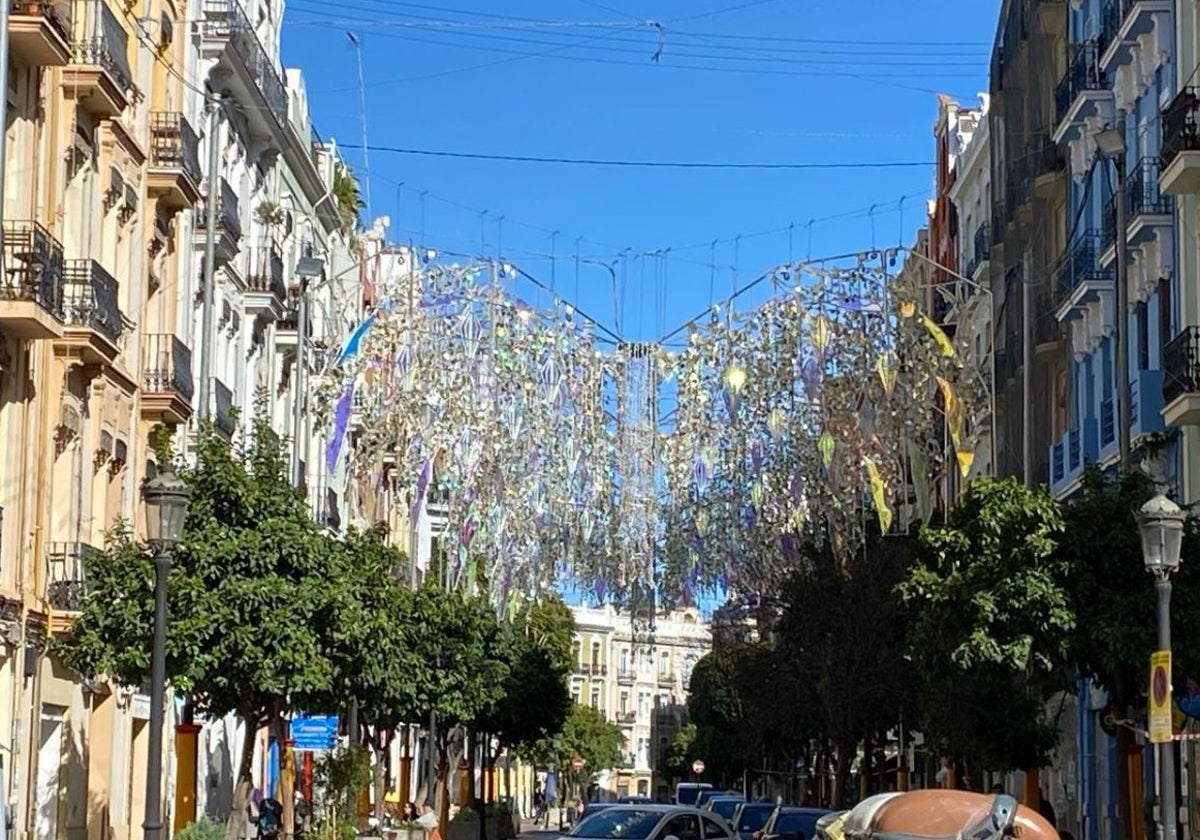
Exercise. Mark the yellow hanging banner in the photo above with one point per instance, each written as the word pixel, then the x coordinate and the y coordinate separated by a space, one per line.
pixel 1161 724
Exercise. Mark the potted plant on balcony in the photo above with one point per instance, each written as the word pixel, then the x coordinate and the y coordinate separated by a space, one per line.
pixel 269 213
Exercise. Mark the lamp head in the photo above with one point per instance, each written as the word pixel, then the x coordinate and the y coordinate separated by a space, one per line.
pixel 166 497
pixel 1160 522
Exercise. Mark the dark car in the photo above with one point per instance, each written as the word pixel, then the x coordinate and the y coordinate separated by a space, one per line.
pixel 725 805
pixel 793 823
pixel 652 822
pixel 634 800
pixel 751 818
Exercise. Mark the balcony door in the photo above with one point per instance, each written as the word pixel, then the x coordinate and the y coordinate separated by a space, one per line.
pixel 52 737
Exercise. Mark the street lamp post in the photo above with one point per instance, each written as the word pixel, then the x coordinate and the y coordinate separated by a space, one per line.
pixel 1160 522
pixel 166 498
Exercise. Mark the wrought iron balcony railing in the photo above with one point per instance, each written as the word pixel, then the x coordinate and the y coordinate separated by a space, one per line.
pixel 91 299
pixel 1081 263
pixel 101 41
pixel 1083 74
pixel 267 272
pixel 1180 127
pixel 1181 364
pixel 226 20
pixel 229 220
pixel 33 266
pixel 168 366
pixel 66 574
pixel 174 144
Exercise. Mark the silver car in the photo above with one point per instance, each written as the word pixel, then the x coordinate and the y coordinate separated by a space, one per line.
pixel 653 822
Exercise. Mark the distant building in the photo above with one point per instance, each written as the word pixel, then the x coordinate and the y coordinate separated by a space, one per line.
pixel 636 678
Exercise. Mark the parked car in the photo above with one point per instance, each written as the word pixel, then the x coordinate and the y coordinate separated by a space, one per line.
pixel 751 817
pixel 652 822
pixel 792 823
pixel 710 792
pixel 634 800
pixel 687 793
pixel 725 805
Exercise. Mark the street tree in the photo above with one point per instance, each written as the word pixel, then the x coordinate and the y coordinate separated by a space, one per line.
pixel 992 624
pixel 1114 602
pixel 588 735
pixel 249 589
pixel 855 689
pixel 461 676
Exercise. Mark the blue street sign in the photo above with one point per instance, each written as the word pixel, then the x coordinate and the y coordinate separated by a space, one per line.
pixel 315 732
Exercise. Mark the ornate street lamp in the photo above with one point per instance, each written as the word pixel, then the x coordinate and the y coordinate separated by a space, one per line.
pixel 166 497
pixel 1160 522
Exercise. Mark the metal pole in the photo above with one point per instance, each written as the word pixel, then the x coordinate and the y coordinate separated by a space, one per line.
pixel 1121 326
pixel 301 384
pixel 152 827
pixel 5 8
pixel 1168 810
pixel 1027 333
pixel 210 258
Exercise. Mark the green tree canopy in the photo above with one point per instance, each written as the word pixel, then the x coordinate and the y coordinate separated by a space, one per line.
pixel 992 626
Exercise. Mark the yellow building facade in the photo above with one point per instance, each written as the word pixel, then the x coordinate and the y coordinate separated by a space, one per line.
pixel 100 162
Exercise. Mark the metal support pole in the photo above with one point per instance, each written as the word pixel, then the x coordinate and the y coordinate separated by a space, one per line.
pixel 1121 330
pixel 1028 336
pixel 152 827
pixel 298 399
pixel 431 764
pixel 5 8
pixel 1168 810
pixel 210 258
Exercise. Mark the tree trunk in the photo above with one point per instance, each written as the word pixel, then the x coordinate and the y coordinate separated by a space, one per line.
pixel 841 772
pixel 238 824
pixel 287 789
pixel 442 791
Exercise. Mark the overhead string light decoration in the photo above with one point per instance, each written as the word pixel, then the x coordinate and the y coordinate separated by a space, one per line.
pixel 795 418
pixel 819 414
pixel 466 395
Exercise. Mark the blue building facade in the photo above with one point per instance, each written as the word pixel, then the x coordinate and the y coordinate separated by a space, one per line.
pixel 1120 69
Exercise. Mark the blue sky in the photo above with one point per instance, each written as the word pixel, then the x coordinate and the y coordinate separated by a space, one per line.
pixel 745 81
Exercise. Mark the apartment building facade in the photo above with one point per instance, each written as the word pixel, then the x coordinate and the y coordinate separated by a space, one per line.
pixel 101 341
pixel 632 677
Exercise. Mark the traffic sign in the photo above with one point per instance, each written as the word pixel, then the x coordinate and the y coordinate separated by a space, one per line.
pixel 314 733
pixel 1162 729
pixel 698 767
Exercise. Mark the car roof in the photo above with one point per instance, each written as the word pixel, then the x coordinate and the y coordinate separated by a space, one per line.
pixel 803 811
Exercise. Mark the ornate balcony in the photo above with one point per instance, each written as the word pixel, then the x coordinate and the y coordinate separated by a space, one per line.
pixel 266 292
pixel 222 408
pixel 1181 379
pixel 66 580
pixel 981 254
pixel 1080 279
pixel 98 73
pixel 39 32
pixel 1180 173
pixel 31 288
pixel 244 67
pixel 1122 23
pixel 174 173
pixel 1081 91
pixel 626 676
pixel 228 229
pixel 92 314
pixel 1070 455
pixel 167 385
pixel 1049 165
pixel 1148 212
pixel 626 718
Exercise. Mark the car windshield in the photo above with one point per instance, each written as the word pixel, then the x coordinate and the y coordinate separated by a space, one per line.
pixel 725 807
pixel 687 794
pixel 618 824
pixel 754 817
pixel 804 825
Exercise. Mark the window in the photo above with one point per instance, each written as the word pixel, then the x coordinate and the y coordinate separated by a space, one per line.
pixel 577 652
pixel 1165 333
pixel 664 665
pixel 595 698
pixel 624 661
pixel 712 829
pixel 643 704
pixel 624 702
pixel 684 827
pixel 1142 316
pixel 575 696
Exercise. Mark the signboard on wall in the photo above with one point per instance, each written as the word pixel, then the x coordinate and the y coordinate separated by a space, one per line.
pixel 1161 723
pixel 314 733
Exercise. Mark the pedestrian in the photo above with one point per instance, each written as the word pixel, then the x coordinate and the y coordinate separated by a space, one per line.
pixel 428 819
pixel 409 813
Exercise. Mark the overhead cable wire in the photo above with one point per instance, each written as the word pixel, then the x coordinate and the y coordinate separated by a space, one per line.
pixel 642 164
